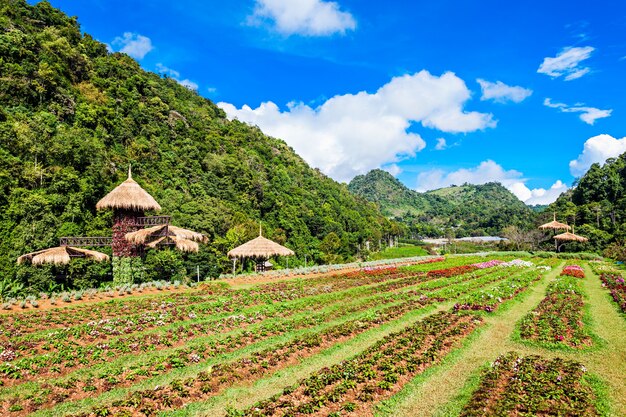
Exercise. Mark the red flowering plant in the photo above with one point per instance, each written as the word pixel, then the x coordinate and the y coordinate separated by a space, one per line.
pixel 573 271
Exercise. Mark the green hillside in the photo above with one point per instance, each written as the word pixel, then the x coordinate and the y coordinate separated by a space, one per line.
pixel 459 210
pixel 596 206
pixel 72 118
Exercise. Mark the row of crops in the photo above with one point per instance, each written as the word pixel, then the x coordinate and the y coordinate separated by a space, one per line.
pixel 166 352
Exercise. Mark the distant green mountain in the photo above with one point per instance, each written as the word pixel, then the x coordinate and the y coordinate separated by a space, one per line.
pixel 467 210
pixel 74 116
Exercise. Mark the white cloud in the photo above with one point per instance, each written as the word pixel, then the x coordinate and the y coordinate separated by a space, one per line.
pixel 350 134
pixel 133 44
pixel 175 75
pixel 188 83
pixel 597 149
pixel 167 71
pixel 588 115
pixel 538 195
pixel 393 169
pixel 490 171
pixel 441 144
pixel 304 17
pixel 566 63
pixel 501 93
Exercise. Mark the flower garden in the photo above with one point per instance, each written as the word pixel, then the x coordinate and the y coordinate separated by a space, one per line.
pixel 531 385
pixel 191 351
pixel 558 319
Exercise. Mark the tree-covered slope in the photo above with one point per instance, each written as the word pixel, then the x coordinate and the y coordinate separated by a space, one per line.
pixel 596 205
pixel 72 118
pixel 460 210
pixel 394 198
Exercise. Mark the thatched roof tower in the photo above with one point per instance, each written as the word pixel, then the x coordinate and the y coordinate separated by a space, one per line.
pixel 128 201
pixel 128 196
pixel 554 225
pixel 61 255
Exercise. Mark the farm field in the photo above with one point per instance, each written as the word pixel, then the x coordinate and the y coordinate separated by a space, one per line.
pixel 461 335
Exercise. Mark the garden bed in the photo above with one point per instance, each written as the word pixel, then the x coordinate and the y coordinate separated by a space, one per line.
pixel 525 386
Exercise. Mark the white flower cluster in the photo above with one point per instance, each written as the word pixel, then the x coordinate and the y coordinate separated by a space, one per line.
pixel 518 263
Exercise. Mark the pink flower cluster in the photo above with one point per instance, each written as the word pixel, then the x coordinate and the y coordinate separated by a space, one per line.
pixel 573 271
pixel 488 264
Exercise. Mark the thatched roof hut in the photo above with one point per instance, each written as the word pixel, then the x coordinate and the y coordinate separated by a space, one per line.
pixel 260 247
pixel 570 237
pixel 554 225
pixel 129 196
pixel 184 240
pixel 61 255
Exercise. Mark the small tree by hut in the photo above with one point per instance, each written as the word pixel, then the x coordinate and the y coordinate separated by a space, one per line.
pixel 260 249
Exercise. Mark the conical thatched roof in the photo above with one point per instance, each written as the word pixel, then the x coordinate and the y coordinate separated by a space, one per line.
pixel 567 236
pixel 184 240
pixel 260 247
pixel 128 195
pixel 555 225
pixel 61 255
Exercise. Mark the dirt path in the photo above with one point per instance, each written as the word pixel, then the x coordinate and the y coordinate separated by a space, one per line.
pixel 609 362
pixel 98 298
pixel 433 396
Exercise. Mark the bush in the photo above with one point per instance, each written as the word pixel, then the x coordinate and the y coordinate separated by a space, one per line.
pixel 165 265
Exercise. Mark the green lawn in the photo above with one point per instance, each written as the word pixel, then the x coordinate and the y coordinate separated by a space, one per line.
pixel 399 252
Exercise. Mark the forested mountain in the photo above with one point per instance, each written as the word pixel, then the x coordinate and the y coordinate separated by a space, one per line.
pixel 74 116
pixel 596 205
pixel 467 210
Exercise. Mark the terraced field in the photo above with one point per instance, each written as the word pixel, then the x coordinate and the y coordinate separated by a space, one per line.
pixel 412 340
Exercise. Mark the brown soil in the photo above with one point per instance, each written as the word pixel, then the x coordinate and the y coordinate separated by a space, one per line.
pixel 233 282
pixel 98 298
pixel 249 280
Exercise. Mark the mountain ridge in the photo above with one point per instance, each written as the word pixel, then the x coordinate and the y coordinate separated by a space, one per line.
pixel 466 210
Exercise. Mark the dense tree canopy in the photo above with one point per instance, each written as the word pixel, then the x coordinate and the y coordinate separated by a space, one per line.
pixel 596 206
pixel 74 116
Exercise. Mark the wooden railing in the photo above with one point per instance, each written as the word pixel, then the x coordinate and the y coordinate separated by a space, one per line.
pixel 85 241
pixel 152 220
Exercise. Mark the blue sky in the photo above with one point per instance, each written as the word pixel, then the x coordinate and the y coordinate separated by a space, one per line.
pixel 525 93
